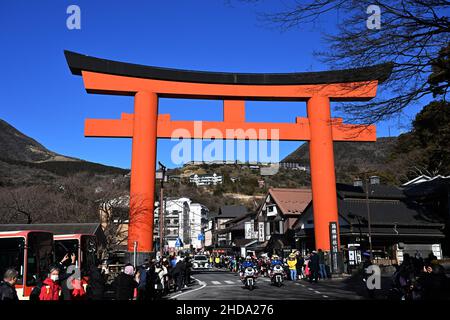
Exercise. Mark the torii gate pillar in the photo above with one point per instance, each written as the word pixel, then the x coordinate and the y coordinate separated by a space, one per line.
pixel 322 169
pixel 142 184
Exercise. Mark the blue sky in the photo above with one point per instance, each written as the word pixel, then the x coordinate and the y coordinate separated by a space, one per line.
pixel 41 98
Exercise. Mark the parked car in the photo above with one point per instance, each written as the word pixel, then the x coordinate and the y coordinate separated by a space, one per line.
pixel 200 262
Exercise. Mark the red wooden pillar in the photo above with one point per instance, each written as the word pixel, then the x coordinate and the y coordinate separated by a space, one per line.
pixel 323 180
pixel 142 186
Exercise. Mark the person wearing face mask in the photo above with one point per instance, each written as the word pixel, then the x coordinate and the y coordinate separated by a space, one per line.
pixel 7 286
pixel 50 287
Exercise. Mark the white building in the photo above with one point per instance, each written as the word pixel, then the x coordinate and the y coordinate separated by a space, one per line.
pixel 185 220
pixel 198 224
pixel 205 179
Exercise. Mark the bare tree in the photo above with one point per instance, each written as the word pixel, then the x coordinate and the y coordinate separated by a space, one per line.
pixel 114 217
pixel 111 202
pixel 78 198
pixel 414 36
pixel 21 204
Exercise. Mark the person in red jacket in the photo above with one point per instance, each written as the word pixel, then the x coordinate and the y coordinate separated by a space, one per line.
pixel 50 287
pixel 79 292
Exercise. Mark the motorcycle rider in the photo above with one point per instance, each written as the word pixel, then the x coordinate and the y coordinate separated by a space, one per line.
pixel 248 263
pixel 275 262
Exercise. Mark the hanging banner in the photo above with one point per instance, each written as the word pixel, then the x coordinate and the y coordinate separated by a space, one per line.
pixel 261 231
pixel 248 230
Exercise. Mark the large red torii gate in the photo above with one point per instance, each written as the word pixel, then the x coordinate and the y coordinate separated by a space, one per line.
pixel 147 83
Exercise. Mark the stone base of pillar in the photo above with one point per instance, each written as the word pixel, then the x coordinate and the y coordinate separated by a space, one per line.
pixel 338 268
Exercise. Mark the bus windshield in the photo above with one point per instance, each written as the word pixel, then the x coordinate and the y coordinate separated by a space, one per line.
pixel 63 247
pixel 12 256
pixel 88 245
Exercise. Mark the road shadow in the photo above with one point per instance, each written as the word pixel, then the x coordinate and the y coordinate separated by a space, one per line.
pixel 356 285
pixel 209 271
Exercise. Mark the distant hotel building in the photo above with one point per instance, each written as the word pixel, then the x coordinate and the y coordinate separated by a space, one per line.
pixel 205 179
pixel 228 162
pixel 294 166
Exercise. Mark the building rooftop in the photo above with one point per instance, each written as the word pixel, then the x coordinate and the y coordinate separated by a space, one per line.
pixel 438 185
pixel 424 178
pixel 386 210
pixel 291 201
pixel 378 191
pixel 232 211
pixel 388 213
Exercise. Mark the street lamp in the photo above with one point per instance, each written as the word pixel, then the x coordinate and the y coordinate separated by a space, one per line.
pixel 161 211
pixel 367 186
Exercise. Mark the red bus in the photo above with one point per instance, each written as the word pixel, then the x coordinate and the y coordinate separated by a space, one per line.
pixel 30 252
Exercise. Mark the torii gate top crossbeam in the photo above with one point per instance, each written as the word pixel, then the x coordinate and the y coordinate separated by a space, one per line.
pixel 113 77
pixel 79 62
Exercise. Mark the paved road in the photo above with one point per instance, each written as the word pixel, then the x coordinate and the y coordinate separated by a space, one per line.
pixel 224 285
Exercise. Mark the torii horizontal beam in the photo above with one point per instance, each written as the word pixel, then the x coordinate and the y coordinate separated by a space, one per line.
pixel 298 131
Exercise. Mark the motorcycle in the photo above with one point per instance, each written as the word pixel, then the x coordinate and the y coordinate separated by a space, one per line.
pixel 277 275
pixel 249 278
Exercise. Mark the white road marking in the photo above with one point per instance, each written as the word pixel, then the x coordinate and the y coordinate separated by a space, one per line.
pixel 324 296
pixel 310 289
pixel 202 284
pixel 318 292
pixel 215 282
pixel 229 282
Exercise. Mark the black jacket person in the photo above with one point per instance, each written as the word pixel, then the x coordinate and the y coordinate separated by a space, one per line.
pixel 96 284
pixel 7 289
pixel 178 274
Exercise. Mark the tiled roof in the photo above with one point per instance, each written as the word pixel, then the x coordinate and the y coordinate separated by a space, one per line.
pixel 422 232
pixel 377 191
pixel 438 185
pixel 382 213
pixel 388 212
pixel 233 211
pixel 381 231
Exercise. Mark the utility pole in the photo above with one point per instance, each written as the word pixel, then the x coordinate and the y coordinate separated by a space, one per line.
pixel 368 217
pixel 161 212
